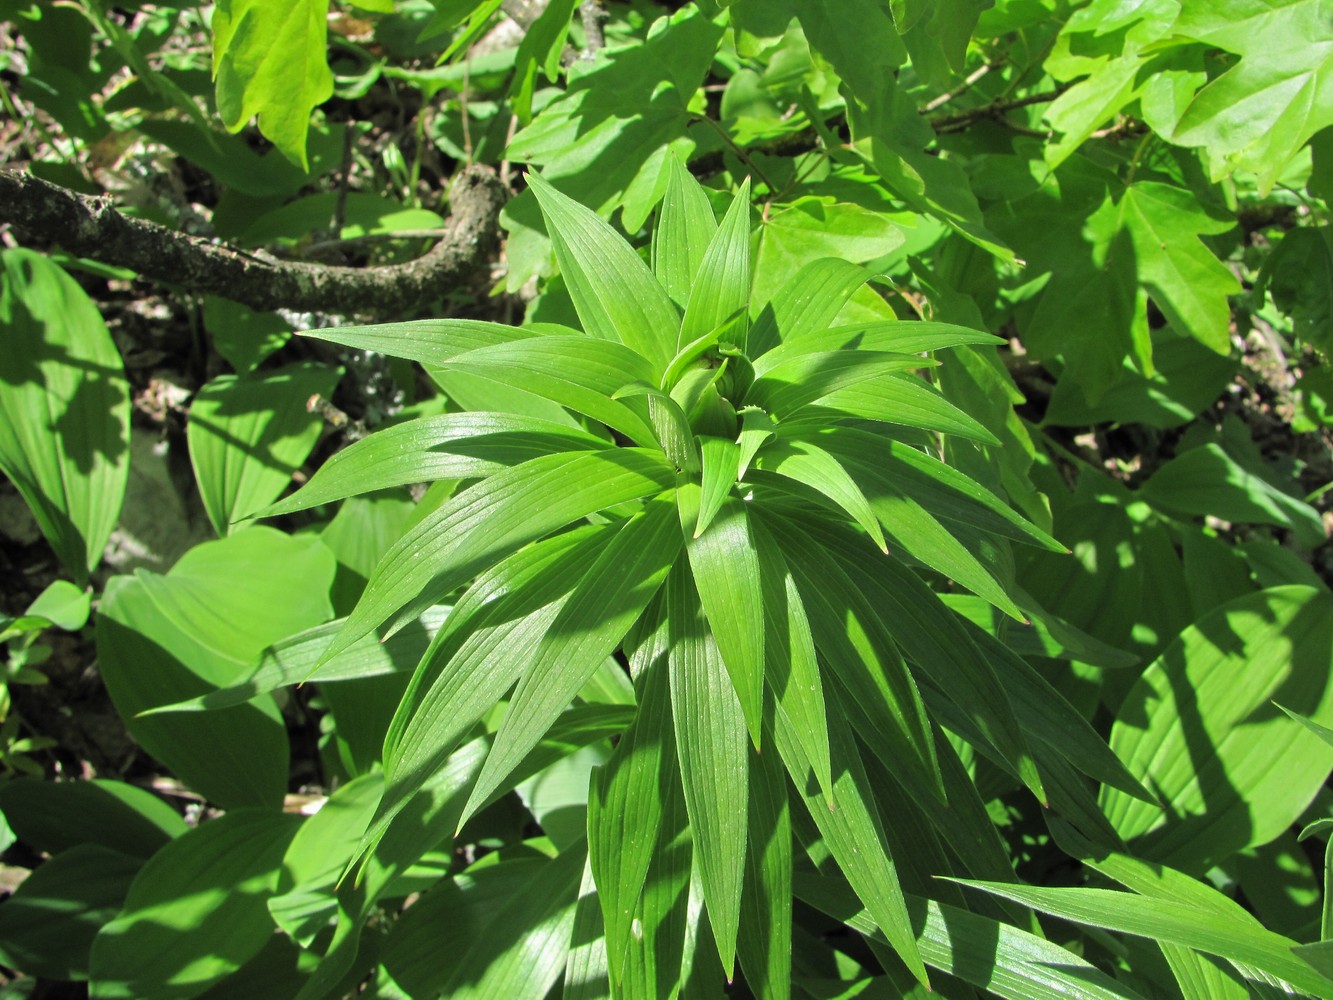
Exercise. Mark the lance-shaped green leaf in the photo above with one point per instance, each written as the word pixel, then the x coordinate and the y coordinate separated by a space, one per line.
pixel 988 954
pixel 941 489
pixel 691 351
pixel 853 834
pixel 588 629
pixel 447 446
pixel 493 633
pixel 791 384
pixel 429 341
pixel 587 974
pixel 812 466
pixel 791 668
pixel 898 337
pixel 726 573
pixel 616 295
pixel 64 408
pixel 625 806
pixel 721 286
pixel 294 661
pixel 1171 921
pixel 669 423
pixel 856 647
pixel 756 428
pixel 654 963
pixel 271 60
pixel 575 371
pixel 932 638
pixel 685 227
pixel 765 944
pixel 805 305
pixel 248 435
pixel 711 747
pixel 486 522
pixel 721 463
pixel 902 399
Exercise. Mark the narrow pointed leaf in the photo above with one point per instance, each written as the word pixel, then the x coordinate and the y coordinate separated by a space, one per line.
pixel 901 337
pixel 853 834
pixel 721 284
pixel 810 465
pixel 987 954
pixel 685 227
pixel 906 400
pixel 788 386
pixel 765 943
pixel 726 572
pixel 487 521
pixel 669 424
pixel 807 304
pixel 721 461
pixel 625 806
pixel 448 446
pixel 587 975
pixel 575 371
pixel 756 428
pixel 791 668
pixel 711 746
pixel 427 341
pixel 589 628
pixel 616 295
pixel 1171 921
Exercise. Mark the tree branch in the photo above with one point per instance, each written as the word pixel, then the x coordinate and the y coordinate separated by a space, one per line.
pixel 92 227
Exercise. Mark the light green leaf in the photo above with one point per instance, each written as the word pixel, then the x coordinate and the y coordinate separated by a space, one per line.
pixel 670 426
pixel 575 371
pixel 898 337
pixel 542 45
pixel 63 605
pixel 906 400
pixel 270 60
pixel 726 572
pixel 812 466
pixel 711 746
pixel 685 227
pixel 1258 114
pixel 64 409
pixel 296 660
pixel 1299 276
pixel 805 305
pixel 196 911
pixel 248 435
pixel 617 296
pixel 587 976
pixel 1182 275
pixel 589 627
pixel 241 335
pixel 1171 921
pixel 429 341
pixel 1230 768
pixel 625 808
pixel 486 522
pixel 795 382
pixel 164 639
pixel 721 465
pixel 447 446
pixel 721 286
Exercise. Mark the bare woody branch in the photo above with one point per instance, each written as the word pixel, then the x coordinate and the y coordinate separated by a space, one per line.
pixel 92 227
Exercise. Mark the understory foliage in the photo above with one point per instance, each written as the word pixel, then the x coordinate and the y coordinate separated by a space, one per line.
pixel 866 537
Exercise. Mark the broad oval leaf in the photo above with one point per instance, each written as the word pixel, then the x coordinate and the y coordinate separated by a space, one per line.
pixel 196 912
pixel 64 408
pixel 248 435
pixel 1200 729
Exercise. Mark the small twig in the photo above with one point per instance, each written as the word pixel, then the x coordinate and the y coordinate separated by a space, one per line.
pixel 592 15
pixel 462 107
pixel 325 246
pixel 957 91
pixel 995 109
pixel 505 165
pixel 741 153
pixel 344 181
